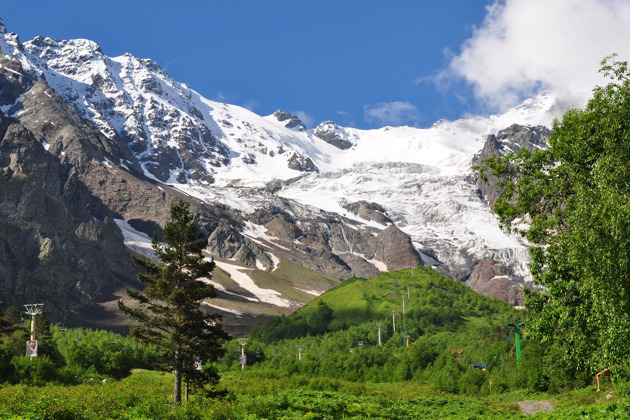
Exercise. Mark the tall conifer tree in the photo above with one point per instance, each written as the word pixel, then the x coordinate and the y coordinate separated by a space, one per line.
pixel 167 312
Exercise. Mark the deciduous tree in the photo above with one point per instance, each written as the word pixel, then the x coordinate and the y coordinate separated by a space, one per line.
pixel 572 202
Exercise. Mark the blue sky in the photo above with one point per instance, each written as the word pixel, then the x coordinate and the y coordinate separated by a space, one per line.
pixel 359 63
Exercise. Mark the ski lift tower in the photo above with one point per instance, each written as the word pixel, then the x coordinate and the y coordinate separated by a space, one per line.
pixel 243 360
pixel 517 337
pixel 404 326
pixel 394 319
pixel 300 349
pixel 33 309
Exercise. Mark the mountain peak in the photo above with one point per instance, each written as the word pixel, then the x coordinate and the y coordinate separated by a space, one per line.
pixel 3 28
pixel 292 121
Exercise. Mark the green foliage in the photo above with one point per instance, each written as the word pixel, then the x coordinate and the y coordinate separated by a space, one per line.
pixel 34 370
pixel 10 320
pixel 168 313
pixel 446 374
pixel 101 353
pixel 66 356
pixel 576 198
pixel 138 396
pixel 436 303
pixel 440 315
pixel 267 396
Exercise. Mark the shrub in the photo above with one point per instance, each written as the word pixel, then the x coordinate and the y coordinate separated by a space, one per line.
pixel 445 373
pixel 472 381
pixel 34 370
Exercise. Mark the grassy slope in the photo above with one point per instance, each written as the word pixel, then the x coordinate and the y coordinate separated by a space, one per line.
pixel 357 301
pixel 291 280
pixel 147 394
pixel 288 278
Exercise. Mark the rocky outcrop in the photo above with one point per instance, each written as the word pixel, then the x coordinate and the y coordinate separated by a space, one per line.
pixel 511 139
pixel 227 242
pixel 324 241
pixel 368 211
pixel 289 120
pixel 301 163
pixel 396 250
pixel 331 133
pixel 492 279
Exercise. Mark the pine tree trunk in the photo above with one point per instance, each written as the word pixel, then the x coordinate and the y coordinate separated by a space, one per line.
pixel 177 385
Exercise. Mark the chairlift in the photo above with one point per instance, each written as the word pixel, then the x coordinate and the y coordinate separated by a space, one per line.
pixel 480 366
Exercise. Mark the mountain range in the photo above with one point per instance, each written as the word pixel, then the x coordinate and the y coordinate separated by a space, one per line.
pixel 93 149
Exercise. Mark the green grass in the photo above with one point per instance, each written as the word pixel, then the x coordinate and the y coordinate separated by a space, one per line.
pixel 268 395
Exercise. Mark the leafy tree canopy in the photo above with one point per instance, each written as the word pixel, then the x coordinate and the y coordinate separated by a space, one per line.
pixel 572 202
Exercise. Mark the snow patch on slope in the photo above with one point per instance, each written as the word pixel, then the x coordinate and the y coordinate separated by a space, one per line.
pixel 136 240
pixel 240 276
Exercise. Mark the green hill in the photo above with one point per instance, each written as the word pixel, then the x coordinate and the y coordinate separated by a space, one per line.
pixel 432 303
pixel 348 333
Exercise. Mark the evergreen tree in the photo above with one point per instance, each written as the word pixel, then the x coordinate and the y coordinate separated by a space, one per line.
pixel 574 200
pixel 167 313
pixel 10 320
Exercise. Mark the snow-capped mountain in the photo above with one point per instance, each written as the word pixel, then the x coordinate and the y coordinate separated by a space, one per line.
pixel 327 192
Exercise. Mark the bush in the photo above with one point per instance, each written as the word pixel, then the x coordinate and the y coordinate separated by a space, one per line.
pixel 34 370
pixel 445 373
pixel 471 382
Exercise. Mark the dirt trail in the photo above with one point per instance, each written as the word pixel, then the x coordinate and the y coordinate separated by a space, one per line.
pixel 532 407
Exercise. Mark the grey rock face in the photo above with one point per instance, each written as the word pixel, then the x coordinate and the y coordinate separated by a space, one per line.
pixel 331 133
pixel 289 120
pixel 492 279
pixel 369 211
pixel 13 80
pixel 512 139
pixel 330 244
pixel 227 242
pixel 51 247
pixel 301 163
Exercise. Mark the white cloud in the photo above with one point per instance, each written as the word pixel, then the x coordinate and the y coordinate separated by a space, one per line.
pixel 251 105
pixel 222 97
pixel 526 45
pixel 308 120
pixel 391 113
